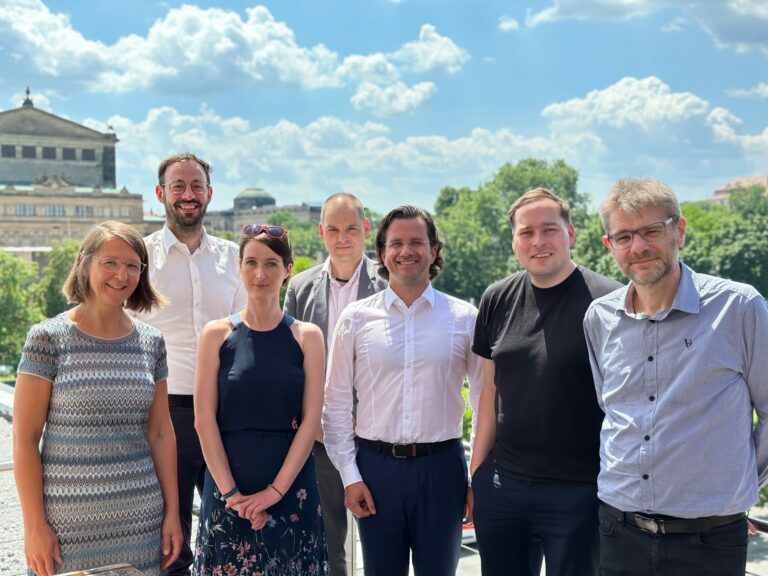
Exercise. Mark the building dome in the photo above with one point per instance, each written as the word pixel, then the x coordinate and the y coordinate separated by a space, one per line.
pixel 253 198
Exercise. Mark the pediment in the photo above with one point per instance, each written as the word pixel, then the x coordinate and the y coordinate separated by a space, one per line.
pixel 30 121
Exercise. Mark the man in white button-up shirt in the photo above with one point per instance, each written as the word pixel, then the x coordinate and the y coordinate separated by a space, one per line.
pixel 406 352
pixel 200 275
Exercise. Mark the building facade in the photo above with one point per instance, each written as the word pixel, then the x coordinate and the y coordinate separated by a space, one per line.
pixel 57 179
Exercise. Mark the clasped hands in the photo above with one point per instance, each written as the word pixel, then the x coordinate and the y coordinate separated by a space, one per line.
pixel 253 507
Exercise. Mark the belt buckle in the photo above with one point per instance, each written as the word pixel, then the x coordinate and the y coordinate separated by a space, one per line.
pixel 403 454
pixel 650 525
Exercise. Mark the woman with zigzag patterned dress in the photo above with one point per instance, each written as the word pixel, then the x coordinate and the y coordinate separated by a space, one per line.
pixel 91 381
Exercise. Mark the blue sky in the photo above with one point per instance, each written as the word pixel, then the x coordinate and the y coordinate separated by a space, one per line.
pixel 393 100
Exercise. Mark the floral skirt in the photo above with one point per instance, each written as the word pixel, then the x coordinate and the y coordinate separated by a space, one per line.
pixel 292 543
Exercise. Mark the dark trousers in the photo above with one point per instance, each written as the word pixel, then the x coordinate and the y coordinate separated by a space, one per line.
pixel 190 471
pixel 334 512
pixel 626 550
pixel 419 507
pixel 515 521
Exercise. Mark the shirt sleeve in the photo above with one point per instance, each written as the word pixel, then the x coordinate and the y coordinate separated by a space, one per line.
pixel 476 376
pixel 481 344
pixel 338 431
pixel 756 375
pixel 591 320
pixel 161 365
pixel 39 356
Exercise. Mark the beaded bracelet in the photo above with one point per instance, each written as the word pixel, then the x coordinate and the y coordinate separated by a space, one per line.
pixel 229 494
pixel 276 490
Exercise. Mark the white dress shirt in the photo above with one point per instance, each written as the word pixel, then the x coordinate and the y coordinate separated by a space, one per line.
pixel 201 287
pixel 340 295
pixel 407 365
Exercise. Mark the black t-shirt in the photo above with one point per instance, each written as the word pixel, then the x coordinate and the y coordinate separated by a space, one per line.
pixel 548 420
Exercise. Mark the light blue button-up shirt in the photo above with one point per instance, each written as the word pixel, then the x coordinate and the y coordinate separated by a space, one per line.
pixel 678 390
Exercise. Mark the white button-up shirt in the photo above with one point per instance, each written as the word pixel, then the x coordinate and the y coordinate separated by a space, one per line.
pixel 407 365
pixel 340 295
pixel 201 287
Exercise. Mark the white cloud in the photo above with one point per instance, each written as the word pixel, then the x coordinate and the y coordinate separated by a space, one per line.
pixel 207 50
pixel 508 24
pixel 373 68
pixel 740 24
pixel 676 25
pixel 431 53
pixel 591 10
pixel 306 162
pixel 394 99
pixel 759 91
pixel 644 103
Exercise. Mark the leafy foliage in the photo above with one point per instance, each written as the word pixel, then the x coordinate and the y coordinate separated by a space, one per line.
pixel 19 305
pixel 476 230
pixel 60 261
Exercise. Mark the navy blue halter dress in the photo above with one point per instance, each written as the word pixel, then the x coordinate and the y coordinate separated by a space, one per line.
pixel 261 383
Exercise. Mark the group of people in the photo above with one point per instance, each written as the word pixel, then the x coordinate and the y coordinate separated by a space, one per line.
pixel 614 425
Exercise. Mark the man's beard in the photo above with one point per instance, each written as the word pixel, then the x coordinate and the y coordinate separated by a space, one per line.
pixel 186 221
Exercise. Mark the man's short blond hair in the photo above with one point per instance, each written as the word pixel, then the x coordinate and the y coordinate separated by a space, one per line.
pixel 537 195
pixel 633 195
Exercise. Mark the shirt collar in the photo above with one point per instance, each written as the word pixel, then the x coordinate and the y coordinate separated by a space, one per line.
pixel 327 268
pixel 169 239
pixel 687 299
pixel 390 297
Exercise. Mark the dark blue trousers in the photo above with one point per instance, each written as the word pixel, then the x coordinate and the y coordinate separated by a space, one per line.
pixel 515 521
pixel 190 474
pixel 625 550
pixel 419 508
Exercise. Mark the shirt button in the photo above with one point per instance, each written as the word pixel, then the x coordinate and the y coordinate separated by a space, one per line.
pixel 645 476
pixel 650 358
pixel 651 398
pixel 646 437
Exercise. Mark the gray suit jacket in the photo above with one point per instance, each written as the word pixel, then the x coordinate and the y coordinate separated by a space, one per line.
pixel 307 295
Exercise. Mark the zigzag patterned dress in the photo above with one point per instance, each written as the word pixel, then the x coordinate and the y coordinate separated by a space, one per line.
pixel 102 496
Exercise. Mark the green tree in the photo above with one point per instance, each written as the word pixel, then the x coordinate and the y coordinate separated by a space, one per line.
pixel 475 227
pixel 589 250
pixel 60 260
pixel 19 305
pixel 731 242
pixel 477 240
pixel 514 180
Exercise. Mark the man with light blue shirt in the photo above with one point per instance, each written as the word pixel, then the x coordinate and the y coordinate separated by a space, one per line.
pixel 678 370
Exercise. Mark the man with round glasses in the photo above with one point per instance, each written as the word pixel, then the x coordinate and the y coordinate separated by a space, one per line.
pixel 199 274
pixel 678 370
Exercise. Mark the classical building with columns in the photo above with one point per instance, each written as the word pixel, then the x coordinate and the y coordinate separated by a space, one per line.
pixel 57 179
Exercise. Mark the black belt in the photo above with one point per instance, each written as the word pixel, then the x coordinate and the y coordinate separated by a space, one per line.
pixel 181 401
pixel 408 450
pixel 660 524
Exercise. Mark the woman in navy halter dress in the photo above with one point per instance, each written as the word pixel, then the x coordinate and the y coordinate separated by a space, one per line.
pixel 258 398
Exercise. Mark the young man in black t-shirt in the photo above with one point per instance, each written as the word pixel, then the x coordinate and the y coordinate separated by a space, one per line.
pixel 536 454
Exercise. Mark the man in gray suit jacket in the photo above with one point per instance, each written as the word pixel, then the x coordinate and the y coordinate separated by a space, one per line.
pixel 318 295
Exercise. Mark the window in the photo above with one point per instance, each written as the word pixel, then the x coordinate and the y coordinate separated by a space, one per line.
pixel 84 211
pixel 8 151
pixel 67 153
pixel 28 152
pixel 49 153
pixel 89 154
pixel 56 210
pixel 25 209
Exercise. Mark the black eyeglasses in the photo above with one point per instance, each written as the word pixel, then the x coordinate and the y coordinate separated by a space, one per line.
pixel 271 231
pixel 651 233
